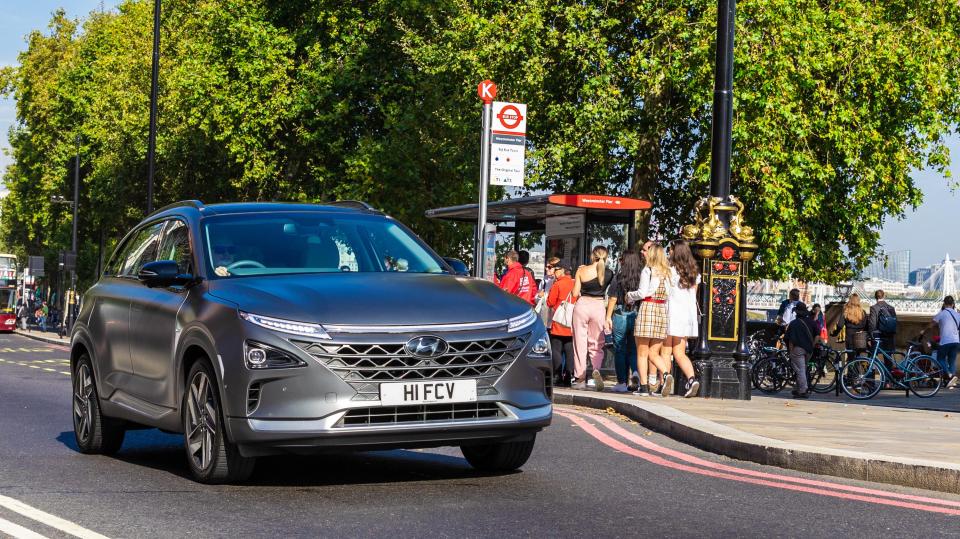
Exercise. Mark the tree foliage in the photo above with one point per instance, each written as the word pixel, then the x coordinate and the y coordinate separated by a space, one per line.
pixel 837 104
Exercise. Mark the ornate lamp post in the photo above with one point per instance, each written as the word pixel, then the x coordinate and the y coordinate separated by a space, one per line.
pixel 723 243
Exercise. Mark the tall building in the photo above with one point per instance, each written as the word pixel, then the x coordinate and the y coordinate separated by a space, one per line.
pixel 918 276
pixel 893 266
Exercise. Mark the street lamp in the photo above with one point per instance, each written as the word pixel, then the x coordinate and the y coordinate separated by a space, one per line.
pixel 723 243
pixel 152 137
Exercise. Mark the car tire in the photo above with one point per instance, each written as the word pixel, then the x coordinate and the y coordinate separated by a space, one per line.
pixel 498 457
pixel 211 457
pixel 95 433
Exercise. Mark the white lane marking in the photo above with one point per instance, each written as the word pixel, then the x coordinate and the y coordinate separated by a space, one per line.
pixel 47 519
pixel 17 531
pixel 65 372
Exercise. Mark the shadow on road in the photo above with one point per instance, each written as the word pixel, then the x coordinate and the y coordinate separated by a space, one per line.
pixel 946 400
pixel 151 448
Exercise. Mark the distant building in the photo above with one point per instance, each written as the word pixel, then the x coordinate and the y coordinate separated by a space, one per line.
pixel 918 276
pixel 893 266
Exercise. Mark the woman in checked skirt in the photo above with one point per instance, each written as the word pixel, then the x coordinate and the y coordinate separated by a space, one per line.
pixel 651 326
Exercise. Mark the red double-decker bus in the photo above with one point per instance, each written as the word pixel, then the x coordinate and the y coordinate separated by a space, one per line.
pixel 8 292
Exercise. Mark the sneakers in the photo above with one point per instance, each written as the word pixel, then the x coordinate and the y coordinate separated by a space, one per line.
pixel 597 380
pixel 797 395
pixel 953 382
pixel 667 385
pixel 620 388
pixel 578 385
pixel 692 388
pixel 634 383
pixel 591 383
pixel 642 391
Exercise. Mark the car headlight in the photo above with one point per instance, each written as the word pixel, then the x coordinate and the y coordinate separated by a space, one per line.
pixel 286 326
pixel 541 347
pixel 257 355
pixel 524 320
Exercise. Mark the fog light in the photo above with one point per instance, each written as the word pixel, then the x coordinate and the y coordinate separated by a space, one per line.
pixel 541 347
pixel 257 355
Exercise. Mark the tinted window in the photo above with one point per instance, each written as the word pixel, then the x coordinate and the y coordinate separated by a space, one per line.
pixel 176 246
pixel 270 244
pixel 142 249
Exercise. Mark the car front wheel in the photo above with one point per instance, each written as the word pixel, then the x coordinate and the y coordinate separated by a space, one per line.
pixel 211 457
pixel 498 457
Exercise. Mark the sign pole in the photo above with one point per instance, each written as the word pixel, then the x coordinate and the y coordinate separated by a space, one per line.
pixel 487 91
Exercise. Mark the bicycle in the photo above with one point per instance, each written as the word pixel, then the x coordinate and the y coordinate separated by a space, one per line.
pixel 774 371
pixel 862 378
pixel 823 368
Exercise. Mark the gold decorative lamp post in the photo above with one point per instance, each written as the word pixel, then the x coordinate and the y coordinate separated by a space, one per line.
pixel 724 244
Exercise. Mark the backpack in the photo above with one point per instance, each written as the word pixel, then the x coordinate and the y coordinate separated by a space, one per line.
pixel 886 321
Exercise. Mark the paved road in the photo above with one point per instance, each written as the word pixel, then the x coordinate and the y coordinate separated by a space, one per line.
pixel 591 475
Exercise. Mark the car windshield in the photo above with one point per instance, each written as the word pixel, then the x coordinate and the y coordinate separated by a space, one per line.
pixel 282 243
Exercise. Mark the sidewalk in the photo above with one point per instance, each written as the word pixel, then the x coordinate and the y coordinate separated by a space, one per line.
pixel 49 337
pixel 909 447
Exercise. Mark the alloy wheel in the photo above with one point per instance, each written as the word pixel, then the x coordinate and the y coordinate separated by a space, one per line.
pixel 83 402
pixel 202 421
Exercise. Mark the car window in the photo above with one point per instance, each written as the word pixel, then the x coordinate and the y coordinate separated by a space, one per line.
pixel 143 249
pixel 176 246
pixel 262 244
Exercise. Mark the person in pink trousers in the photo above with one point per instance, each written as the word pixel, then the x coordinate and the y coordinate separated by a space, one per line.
pixel 589 317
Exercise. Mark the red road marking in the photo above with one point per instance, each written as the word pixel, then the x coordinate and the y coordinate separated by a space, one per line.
pixel 617 429
pixel 660 461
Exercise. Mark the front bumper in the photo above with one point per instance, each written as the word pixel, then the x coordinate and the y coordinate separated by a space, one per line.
pixel 322 406
pixel 257 437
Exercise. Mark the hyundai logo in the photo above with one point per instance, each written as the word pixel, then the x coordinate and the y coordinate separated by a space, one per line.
pixel 426 347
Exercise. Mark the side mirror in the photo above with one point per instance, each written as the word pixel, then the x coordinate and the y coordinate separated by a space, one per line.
pixel 459 267
pixel 163 273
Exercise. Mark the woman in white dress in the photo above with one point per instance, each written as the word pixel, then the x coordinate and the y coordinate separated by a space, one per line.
pixel 682 323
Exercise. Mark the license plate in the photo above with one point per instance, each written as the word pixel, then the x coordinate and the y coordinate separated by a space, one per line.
pixel 401 393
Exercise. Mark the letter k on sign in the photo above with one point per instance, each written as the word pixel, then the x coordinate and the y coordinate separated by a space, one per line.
pixel 487 91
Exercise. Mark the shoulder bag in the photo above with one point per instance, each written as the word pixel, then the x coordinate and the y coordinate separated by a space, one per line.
pixel 564 313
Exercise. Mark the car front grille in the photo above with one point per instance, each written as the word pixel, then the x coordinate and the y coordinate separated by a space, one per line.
pixel 425 413
pixel 365 366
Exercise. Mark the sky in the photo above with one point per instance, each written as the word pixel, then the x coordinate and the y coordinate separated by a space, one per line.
pixel 929 232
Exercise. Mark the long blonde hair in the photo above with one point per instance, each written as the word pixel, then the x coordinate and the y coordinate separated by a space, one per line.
pixel 599 257
pixel 657 261
pixel 852 311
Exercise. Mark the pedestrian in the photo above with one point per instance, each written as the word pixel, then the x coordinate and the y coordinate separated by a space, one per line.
pixel 549 276
pixel 682 320
pixel 816 312
pixel 561 337
pixel 518 280
pixel 785 313
pixel 883 319
pixel 650 329
pixel 801 344
pixel 854 324
pixel 621 317
pixel 948 323
pixel 589 317
pixel 42 312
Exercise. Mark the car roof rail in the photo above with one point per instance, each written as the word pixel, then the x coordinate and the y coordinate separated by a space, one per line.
pixel 183 203
pixel 355 204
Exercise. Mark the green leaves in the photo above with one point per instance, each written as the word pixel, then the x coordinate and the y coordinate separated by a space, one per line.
pixel 836 106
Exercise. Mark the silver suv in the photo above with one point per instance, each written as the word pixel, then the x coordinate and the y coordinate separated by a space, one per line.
pixel 257 329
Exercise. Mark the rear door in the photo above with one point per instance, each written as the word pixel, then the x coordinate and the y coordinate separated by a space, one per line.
pixel 154 325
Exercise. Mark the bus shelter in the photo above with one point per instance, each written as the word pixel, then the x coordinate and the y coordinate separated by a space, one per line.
pixel 567 226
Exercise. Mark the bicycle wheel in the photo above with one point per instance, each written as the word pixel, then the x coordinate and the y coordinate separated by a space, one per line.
pixel 766 376
pixel 924 376
pixel 823 376
pixel 860 380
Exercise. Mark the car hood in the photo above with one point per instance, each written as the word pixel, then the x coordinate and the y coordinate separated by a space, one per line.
pixel 370 298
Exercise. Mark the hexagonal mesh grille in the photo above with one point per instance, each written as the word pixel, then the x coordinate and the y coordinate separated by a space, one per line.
pixel 365 366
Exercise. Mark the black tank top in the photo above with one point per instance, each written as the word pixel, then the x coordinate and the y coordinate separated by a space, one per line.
pixel 593 288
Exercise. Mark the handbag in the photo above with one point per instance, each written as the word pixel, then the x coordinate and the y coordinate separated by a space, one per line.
pixel 860 340
pixel 564 313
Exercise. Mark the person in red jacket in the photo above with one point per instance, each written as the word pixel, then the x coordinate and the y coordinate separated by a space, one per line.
pixel 518 280
pixel 561 337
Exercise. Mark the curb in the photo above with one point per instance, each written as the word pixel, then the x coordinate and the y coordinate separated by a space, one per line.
pixel 48 340
pixel 733 443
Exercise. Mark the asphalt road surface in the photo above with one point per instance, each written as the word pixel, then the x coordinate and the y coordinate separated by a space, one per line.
pixel 591 474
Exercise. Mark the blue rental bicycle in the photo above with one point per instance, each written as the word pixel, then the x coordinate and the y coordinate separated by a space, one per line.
pixel 864 377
